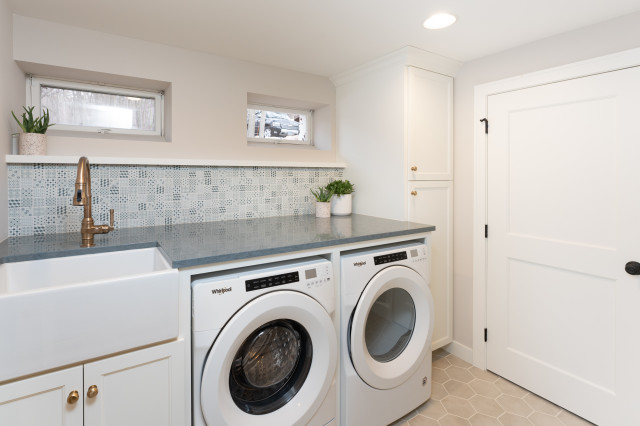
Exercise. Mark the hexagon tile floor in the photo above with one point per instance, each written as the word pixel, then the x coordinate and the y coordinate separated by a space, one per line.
pixel 465 395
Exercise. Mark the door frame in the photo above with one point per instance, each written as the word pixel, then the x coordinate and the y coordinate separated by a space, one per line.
pixel 599 65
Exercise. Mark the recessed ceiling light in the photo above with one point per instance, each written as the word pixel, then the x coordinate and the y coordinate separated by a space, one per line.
pixel 439 20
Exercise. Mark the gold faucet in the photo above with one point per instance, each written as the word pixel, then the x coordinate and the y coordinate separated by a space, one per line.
pixel 82 197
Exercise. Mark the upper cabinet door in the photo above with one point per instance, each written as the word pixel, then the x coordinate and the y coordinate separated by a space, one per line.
pixel 429 125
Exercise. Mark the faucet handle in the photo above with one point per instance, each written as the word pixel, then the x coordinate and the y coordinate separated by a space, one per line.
pixel 111 218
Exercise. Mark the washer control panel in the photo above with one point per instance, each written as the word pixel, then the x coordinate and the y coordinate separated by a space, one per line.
pixel 310 277
pixel 390 257
pixel 272 281
pixel 318 276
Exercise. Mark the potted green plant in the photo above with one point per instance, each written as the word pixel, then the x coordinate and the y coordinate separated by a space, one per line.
pixel 33 141
pixel 342 194
pixel 323 202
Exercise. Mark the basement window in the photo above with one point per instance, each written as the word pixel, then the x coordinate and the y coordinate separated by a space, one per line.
pixel 87 107
pixel 272 124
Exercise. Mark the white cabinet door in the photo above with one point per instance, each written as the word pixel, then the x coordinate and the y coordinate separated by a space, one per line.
pixel 42 400
pixel 563 210
pixel 142 388
pixel 432 202
pixel 430 125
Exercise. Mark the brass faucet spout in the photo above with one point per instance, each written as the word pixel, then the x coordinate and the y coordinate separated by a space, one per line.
pixel 82 197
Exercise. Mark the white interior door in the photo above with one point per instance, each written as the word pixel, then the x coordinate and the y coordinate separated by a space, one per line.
pixel 563 316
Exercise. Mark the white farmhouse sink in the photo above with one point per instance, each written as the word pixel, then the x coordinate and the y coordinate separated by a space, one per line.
pixel 60 311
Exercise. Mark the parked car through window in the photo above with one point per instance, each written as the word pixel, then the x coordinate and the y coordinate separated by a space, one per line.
pixel 278 126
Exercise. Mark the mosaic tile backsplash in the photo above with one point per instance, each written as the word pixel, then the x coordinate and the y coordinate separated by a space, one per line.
pixel 40 194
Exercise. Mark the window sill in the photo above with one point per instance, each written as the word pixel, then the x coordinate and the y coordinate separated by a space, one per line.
pixel 59 159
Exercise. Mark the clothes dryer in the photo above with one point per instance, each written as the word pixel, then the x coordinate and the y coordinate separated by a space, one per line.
pixel 264 345
pixel 386 327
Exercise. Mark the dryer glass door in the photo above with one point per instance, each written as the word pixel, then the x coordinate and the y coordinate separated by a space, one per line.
pixel 391 326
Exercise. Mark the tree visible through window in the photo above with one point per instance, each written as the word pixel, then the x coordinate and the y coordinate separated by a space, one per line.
pixel 85 107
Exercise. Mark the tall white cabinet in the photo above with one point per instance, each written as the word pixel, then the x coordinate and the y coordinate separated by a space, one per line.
pixel 394 126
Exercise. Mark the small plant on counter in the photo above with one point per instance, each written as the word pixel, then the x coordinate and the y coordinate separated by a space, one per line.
pixel 341 203
pixel 322 195
pixel 33 125
pixel 323 205
pixel 340 187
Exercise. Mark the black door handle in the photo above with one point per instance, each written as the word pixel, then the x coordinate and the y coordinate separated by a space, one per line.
pixel 632 268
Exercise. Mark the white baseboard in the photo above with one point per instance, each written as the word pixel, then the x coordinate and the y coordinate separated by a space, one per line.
pixel 463 352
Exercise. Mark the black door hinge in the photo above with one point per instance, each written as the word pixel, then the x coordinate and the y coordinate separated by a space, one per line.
pixel 485 334
pixel 486 231
pixel 486 125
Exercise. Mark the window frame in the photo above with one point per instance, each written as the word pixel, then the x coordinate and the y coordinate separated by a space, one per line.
pixel 34 99
pixel 308 113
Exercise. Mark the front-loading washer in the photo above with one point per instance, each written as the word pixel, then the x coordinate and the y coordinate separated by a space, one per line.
pixel 386 326
pixel 264 345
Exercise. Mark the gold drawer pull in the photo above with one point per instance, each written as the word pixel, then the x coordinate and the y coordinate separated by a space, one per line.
pixel 414 168
pixel 414 193
pixel 73 397
pixel 92 392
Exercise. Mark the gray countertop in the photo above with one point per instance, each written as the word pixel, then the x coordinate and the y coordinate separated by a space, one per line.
pixel 211 242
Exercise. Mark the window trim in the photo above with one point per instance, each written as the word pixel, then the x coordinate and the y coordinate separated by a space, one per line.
pixel 308 113
pixel 33 99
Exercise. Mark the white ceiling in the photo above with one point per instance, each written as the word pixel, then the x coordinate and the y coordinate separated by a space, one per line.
pixel 326 37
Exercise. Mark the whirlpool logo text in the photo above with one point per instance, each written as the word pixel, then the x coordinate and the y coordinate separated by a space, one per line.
pixel 359 263
pixel 221 291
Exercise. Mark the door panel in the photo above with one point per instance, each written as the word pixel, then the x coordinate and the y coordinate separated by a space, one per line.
pixel 141 388
pixel 429 125
pixel 42 400
pixel 562 314
pixel 433 204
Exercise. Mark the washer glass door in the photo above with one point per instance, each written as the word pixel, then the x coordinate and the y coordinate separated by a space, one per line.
pixel 270 366
pixel 272 363
pixel 391 326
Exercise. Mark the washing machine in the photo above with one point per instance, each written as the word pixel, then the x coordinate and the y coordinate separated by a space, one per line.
pixel 264 345
pixel 386 327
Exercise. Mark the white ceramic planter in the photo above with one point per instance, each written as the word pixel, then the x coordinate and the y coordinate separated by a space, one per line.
pixel 323 209
pixel 32 144
pixel 341 205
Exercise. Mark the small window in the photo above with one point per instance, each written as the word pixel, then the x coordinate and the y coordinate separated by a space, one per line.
pixel 278 125
pixel 96 108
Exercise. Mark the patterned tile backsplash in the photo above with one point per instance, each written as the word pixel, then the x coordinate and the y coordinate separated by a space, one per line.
pixel 40 194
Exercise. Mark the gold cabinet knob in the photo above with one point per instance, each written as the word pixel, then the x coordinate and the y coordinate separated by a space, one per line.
pixel 92 392
pixel 73 397
pixel 414 193
pixel 414 168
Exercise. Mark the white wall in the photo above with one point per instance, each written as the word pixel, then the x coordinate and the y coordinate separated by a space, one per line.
pixel 11 99
pixel 208 93
pixel 601 39
pixel 371 111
